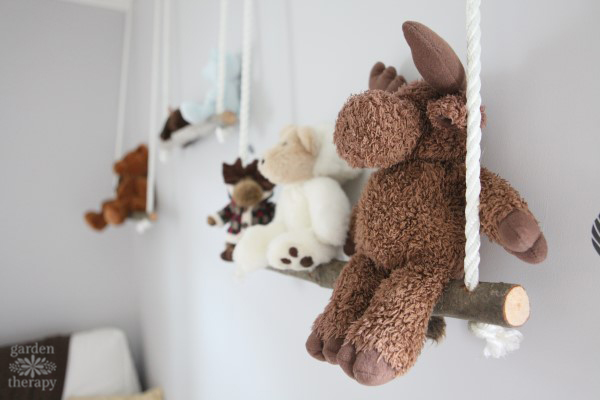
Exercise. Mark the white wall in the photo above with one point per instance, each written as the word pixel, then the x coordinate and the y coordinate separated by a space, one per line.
pixel 59 75
pixel 208 336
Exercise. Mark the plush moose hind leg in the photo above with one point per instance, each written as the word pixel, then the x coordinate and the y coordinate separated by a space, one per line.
pixel 386 341
pixel 352 293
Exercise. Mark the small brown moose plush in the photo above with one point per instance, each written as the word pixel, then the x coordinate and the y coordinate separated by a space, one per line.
pixel 408 226
pixel 249 192
pixel 132 170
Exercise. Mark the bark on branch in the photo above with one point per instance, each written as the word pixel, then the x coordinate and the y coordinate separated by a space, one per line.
pixel 503 304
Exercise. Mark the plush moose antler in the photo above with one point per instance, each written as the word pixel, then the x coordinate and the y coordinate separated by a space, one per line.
pixel 408 226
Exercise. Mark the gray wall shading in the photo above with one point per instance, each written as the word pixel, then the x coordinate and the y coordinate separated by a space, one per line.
pixel 59 75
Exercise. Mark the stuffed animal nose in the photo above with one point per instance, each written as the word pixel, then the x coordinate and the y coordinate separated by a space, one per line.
pixel 247 193
pixel 262 161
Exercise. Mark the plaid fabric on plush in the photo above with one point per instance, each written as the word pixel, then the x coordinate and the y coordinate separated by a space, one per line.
pixel 262 214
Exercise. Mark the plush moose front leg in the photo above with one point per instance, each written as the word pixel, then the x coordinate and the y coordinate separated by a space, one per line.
pixel 506 219
pixel 352 293
pixel 386 341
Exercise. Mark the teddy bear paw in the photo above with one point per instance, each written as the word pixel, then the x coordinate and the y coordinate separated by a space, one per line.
pixel 366 366
pixel 296 259
pixel 299 251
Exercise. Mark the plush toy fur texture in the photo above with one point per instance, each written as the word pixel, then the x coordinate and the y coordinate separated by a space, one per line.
pixel 193 113
pixel 408 227
pixel 249 193
pixel 130 193
pixel 313 212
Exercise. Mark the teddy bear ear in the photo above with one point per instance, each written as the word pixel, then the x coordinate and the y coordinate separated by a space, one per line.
pixel 308 139
pixel 286 130
pixel 142 148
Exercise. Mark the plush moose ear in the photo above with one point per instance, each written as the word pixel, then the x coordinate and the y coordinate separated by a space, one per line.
pixel 308 139
pixel 437 63
pixel 451 111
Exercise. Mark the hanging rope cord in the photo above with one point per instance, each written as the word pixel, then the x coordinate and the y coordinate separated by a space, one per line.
pixel 245 84
pixel 123 85
pixel 159 39
pixel 221 66
pixel 499 340
pixel 473 183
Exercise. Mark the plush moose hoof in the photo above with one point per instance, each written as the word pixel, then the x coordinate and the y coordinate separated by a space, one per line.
pixel 331 348
pixel 367 367
pixel 520 235
pixel 314 346
pixel 536 253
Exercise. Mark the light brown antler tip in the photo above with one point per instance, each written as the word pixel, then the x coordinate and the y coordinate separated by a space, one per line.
pixel 434 58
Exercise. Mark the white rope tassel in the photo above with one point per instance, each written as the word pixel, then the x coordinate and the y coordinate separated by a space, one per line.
pixel 221 67
pixel 499 340
pixel 246 78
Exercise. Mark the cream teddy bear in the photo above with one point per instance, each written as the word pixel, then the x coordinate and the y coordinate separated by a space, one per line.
pixel 313 211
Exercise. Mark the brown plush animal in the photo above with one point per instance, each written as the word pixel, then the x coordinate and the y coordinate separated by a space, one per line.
pixel 249 192
pixel 131 191
pixel 408 227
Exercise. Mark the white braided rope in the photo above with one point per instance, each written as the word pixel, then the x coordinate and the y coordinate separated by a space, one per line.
pixel 166 58
pixel 221 66
pixel 246 78
pixel 153 121
pixel 123 84
pixel 499 340
pixel 473 144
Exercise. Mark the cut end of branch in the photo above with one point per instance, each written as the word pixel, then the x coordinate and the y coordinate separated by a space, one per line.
pixel 516 307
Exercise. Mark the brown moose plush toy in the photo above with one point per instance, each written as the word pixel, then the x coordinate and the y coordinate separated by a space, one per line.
pixel 249 192
pixel 131 191
pixel 408 226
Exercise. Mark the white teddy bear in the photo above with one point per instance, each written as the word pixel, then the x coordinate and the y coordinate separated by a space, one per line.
pixel 313 211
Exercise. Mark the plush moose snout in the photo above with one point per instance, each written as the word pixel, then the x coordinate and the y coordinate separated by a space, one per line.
pixel 246 193
pixel 377 129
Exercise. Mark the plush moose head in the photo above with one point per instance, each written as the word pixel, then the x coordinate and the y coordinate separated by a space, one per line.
pixel 247 186
pixel 425 119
